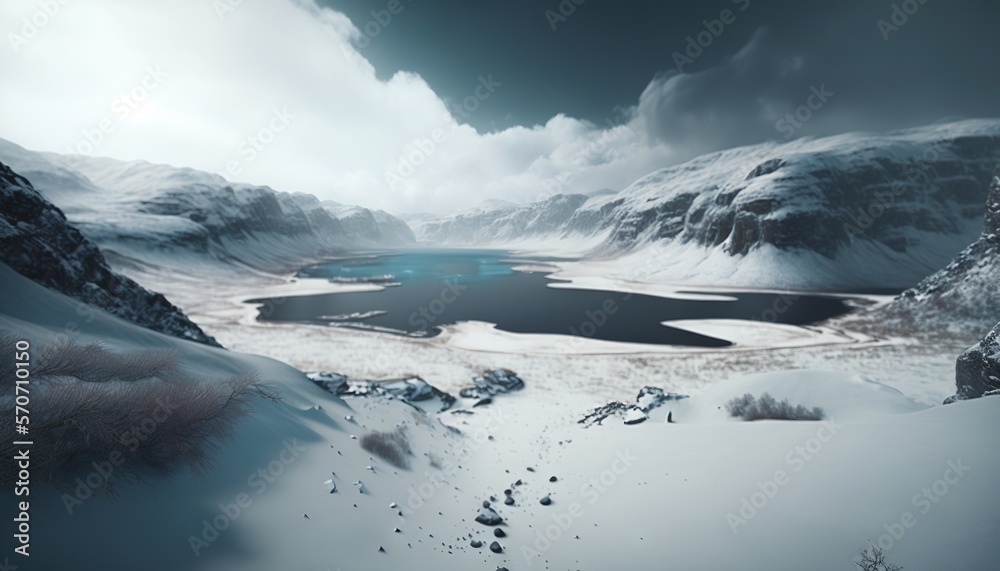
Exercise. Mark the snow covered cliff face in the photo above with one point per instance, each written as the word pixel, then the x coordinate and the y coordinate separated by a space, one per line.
pixel 38 242
pixel 914 197
pixel 139 210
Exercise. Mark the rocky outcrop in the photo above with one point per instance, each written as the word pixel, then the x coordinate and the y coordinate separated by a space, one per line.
pixel 491 383
pixel 977 371
pixel 37 241
pixel 963 297
pixel 411 391
pixel 648 399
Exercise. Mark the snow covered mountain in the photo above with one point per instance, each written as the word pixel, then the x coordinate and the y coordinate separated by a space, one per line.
pixel 138 210
pixel 854 210
pixel 38 242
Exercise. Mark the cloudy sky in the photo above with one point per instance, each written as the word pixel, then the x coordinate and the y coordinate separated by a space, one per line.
pixel 420 105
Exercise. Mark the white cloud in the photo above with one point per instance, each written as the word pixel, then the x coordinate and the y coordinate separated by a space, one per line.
pixel 227 81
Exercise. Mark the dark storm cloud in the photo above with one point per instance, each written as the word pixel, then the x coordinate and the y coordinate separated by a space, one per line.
pixel 925 61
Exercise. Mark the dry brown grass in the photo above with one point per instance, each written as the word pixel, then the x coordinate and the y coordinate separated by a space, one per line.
pixel 89 404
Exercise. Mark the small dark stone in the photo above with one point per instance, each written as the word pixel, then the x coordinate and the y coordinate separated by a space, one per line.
pixel 499 532
pixel 486 504
pixel 508 492
pixel 530 469
pixel 509 501
pixel 496 548
pixel 545 501
pixel 476 543
pixel 381 549
pixel 553 479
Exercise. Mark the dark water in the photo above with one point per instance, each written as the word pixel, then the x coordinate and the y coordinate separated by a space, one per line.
pixel 430 288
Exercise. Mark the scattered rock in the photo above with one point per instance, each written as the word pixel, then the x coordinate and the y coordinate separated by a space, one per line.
pixel 508 501
pixel 648 399
pixel 409 390
pixel 553 479
pixel 496 548
pixel 545 501
pixel 493 382
pixel 487 516
pixel 476 543
pixel 483 402
pixel 499 532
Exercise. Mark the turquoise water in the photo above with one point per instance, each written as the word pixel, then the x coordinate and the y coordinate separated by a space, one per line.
pixel 426 289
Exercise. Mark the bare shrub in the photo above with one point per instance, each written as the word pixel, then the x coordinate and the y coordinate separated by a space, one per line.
pixel 873 559
pixel 766 407
pixel 393 447
pixel 90 405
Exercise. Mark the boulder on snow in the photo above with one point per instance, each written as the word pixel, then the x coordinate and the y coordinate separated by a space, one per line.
pixel 487 516
pixel 977 371
pixel 493 382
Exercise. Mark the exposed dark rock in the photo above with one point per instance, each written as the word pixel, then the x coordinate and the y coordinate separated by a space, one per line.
pixel 496 548
pixel 37 241
pixel 648 399
pixel 498 532
pixel 977 371
pixel 487 516
pixel 413 390
pixel 493 382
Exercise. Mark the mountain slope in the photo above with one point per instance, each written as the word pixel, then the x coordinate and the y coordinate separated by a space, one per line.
pixel 854 211
pixel 38 242
pixel 963 297
pixel 140 210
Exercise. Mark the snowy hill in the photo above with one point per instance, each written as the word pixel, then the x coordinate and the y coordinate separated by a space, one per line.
pixel 37 241
pixel 138 210
pixel 852 211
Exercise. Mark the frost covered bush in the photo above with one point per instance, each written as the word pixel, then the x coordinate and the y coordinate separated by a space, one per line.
pixel 393 447
pixel 749 407
pixel 124 413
